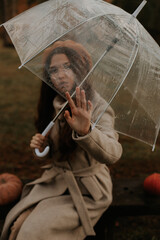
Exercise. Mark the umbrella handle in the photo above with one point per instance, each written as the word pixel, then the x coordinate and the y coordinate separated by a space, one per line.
pixel 42 154
pixel 44 133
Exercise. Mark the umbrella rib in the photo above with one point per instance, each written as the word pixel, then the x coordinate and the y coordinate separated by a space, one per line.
pixel 89 19
pixel 157 132
pixel 137 11
pixel 116 91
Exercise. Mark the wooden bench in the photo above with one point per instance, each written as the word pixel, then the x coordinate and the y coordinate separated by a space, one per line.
pixel 129 199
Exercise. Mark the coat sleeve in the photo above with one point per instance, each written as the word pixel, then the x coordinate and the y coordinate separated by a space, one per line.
pixel 102 141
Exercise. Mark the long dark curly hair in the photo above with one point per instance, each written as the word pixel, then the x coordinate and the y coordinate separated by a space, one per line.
pixel 45 105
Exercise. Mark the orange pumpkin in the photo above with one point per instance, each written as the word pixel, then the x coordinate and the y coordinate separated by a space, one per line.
pixel 10 188
pixel 152 184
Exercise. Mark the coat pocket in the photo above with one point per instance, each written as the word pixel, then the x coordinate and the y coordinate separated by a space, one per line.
pixel 93 186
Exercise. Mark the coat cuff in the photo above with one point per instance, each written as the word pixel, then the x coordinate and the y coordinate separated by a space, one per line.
pixel 75 135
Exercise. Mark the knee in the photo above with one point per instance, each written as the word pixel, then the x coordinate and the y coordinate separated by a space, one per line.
pixel 16 227
pixel 25 231
pixel 18 223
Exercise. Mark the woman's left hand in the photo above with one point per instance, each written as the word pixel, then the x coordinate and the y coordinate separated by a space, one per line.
pixel 80 120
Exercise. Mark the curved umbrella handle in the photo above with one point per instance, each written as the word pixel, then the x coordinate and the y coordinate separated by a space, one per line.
pixel 42 154
pixel 44 133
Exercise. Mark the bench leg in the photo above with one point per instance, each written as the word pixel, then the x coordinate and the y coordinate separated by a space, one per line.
pixel 109 228
pixel 104 228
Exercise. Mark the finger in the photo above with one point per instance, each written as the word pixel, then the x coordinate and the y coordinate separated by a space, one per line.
pixel 90 106
pixel 70 101
pixel 37 140
pixel 78 97
pixel 39 135
pixel 83 100
pixel 67 116
pixel 35 145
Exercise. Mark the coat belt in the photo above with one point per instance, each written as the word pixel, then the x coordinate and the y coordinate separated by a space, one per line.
pixel 78 202
pixel 74 190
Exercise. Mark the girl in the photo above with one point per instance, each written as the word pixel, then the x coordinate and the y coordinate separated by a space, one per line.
pixel 76 188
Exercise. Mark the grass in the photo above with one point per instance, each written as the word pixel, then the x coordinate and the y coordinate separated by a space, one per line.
pixel 19 90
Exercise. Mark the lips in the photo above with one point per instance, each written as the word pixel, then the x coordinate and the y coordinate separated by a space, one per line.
pixel 63 87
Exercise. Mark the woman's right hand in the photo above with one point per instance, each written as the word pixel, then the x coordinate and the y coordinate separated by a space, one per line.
pixel 38 141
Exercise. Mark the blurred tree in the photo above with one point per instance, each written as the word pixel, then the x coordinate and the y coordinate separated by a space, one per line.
pixel 8 10
pixel 31 2
pixel 149 16
pixel 109 1
pixel 22 5
pixel 1 12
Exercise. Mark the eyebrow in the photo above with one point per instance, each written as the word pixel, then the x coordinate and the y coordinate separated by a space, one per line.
pixel 65 63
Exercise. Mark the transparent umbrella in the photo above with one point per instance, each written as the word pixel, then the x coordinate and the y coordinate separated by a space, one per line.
pixel 125 68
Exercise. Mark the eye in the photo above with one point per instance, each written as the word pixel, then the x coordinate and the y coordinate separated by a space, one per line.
pixel 53 70
pixel 67 66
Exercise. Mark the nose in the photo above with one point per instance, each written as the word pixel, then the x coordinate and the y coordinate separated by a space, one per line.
pixel 61 73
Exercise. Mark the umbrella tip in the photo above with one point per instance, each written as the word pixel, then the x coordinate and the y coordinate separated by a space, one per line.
pixel 137 11
pixel 20 66
pixel 153 147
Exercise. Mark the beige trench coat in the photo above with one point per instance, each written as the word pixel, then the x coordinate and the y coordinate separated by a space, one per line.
pixel 71 196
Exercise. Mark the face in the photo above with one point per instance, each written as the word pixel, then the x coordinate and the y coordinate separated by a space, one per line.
pixel 61 74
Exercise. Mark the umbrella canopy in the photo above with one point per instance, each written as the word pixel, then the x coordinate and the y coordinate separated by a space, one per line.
pixel 125 69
